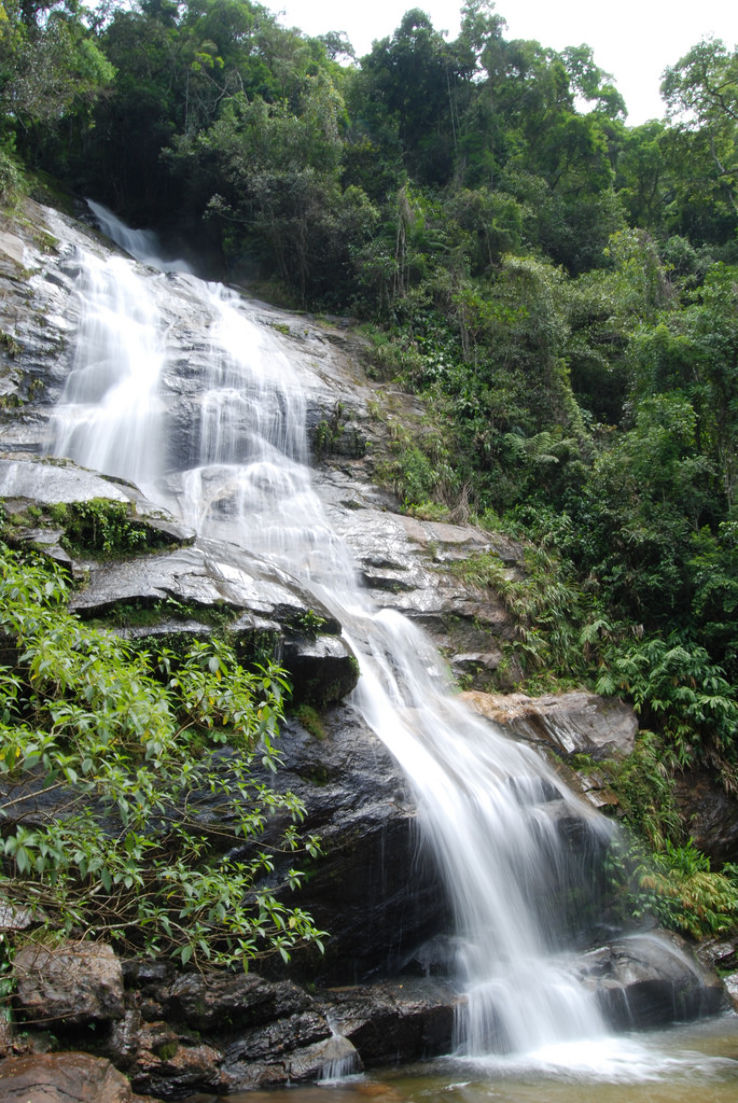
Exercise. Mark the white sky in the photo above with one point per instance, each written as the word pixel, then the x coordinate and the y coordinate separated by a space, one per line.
pixel 632 39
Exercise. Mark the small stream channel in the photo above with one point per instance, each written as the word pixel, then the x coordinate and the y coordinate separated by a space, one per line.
pixel 691 1063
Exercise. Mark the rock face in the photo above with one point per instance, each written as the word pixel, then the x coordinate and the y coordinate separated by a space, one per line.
pixel 570 723
pixel 230 1033
pixel 731 987
pixel 376 890
pixel 402 1020
pixel 411 565
pixel 711 813
pixel 408 562
pixel 224 1033
pixel 166 567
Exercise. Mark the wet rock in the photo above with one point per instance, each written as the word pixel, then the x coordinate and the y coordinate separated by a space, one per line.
pixel 650 980
pixel 408 563
pixel 222 1001
pixel 329 1058
pixel 203 575
pixel 271 1041
pixel 226 1033
pixel 719 953
pixel 162 1060
pixel 572 723
pixel 32 488
pixel 396 1021
pixel 12 247
pixel 436 957
pixel 63 1078
pixel 168 1069
pixel 374 889
pixel 75 982
pixel 322 670
pixel 731 987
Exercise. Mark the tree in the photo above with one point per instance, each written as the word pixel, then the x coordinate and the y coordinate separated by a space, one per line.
pixel 411 80
pixel 701 93
pixel 51 68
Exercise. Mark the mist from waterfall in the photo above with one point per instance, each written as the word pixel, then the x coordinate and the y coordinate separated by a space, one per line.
pixel 491 808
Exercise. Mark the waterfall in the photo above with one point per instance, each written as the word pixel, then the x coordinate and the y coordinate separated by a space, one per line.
pixel 491 808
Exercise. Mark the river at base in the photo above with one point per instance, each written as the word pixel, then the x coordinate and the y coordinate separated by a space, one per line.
pixel 692 1063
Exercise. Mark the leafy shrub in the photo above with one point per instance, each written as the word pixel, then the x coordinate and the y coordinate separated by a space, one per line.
pixel 678 687
pixel 644 785
pixel 134 744
pixel 10 179
pixel 678 888
pixel 104 527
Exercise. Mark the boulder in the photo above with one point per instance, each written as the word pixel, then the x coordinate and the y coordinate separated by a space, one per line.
pixel 223 1032
pixel 63 1078
pixel 719 953
pixel 75 982
pixel 328 1059
pixel 322 670
pixel 396 1021
pixel 272 1041
pixel 650 980
pixel 167 1069
pixel 570 723
pixel 160 1059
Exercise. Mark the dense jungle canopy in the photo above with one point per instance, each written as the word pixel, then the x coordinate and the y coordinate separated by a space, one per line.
pixel 561 287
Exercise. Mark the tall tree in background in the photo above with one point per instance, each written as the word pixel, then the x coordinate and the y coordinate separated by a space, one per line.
pixel 701 92
pixel 51 69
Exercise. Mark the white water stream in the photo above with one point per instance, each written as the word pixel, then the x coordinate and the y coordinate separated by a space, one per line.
pixel 483 799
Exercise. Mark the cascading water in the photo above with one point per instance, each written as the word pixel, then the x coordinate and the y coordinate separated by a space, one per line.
pixel 109 411
pixel 485 802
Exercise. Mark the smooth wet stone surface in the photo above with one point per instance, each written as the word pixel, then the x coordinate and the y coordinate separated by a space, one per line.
pixel 645 981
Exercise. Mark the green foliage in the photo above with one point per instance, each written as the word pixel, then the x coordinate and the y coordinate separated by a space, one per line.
pixel 11 181
pixel 310 623
pixel 104 527
pixel 132 743
pixel 51 70
pixel 701 92
pixel 677 687
pixel 644 785
pixel 549 610
pixel 677 886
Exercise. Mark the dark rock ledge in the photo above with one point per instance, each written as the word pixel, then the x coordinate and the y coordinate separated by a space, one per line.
pixel 184 583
